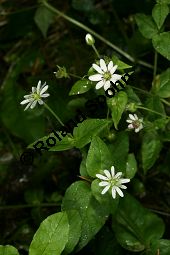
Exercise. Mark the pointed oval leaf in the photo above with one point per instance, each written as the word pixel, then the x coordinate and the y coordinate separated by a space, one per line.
pixel 81 87
pixel 159 14
pixel 131 166
pixel 164 87
pixel 161 44
pixel 146 25
pixel 52 235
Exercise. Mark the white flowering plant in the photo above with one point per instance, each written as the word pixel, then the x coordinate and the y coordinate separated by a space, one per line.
pixel 119 142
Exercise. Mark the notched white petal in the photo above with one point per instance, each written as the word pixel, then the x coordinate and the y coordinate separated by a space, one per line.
pixel 103 65
pixel 103 183
pixel 95 77
pixel 107 173
pixel 105 189
pixel 97 68
pixel 102 177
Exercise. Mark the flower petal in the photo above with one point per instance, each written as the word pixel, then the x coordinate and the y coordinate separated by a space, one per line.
pixel 113 171
pixel 103 65
pixel 45 95
pixel 115 78
pixel 123 187
pixel 33 104
pixel 34 89
pixel 107 173
pixel 130 126
pixel 44 89
pixel 118 174
pixel 113 192
pixel 103 184
pixel 38 87
pixel 137 130
pixel 102 177
pixel 105 189
pixel 106 85
pixel 124 180
pixel 136 117
pixel 129 121
pixel 27 106
pixel 96 77
pixel 131 116
pixel 113 69
pixel 99 84
pixel 97 68
pixel 110 65
pixel 119 191
pixel 25 101
pixel 40 102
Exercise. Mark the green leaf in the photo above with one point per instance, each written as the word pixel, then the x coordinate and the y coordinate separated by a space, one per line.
pixel 87 129
pixel 151 146
pixel 146 25
pixel 119 151
pixel 98 158
pixel 66 143
pixel 117 105
pixel 52 235
pixel 83 5
pixel 121 64
pixel 83 168
pixel 81 87
pixel 164 86
pixel 8 250
pixel 159 14
pixel 162 245
pixel 79 197
pixel 131 166
pixel 154 103
pixel 163 1
pixel 134 226
pixel 43 19
pixel 161 44
pixel 75 222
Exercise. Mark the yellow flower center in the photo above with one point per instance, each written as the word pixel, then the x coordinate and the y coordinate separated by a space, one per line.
pixel 107 76
pixel 36 96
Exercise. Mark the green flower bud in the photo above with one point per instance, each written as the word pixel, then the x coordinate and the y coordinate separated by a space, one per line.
pixel 132 107
pixel 89 39
pixel 61 73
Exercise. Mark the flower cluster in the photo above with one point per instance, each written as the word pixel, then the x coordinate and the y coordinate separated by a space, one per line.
pixel 35 96
pixel 112 181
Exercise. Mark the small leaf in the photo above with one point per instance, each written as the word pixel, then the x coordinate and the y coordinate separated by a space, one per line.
pixel 154 103
pixel 146 25
pixel 43 19
pixel 162 245
pixel 81 87
pixel 79 197
pixel 8 250
pixel 164 87
pixel 87 129
pixel 163 1
pixel 151 146
pixel 98 158
pixel 159 14
pixel 134 226
pixel 117 105
pixel 161 44
pixel 66 143
pixel 131 166
pixel 52 235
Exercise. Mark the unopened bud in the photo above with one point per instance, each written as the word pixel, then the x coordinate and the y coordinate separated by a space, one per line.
pixel 89 39
pixel 61 73
pixel 132 107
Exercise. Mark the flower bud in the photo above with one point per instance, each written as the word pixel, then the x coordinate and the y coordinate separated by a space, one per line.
pixel 61 73
pixel 132 107
pixel 89 39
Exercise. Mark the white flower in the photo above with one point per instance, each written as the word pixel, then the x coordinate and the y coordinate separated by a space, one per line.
pixel 113 181
pixel 135 122
pixel 35 96
pixel 105 74
pixel 89 39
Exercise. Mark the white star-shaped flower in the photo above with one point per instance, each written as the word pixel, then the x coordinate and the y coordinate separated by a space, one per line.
pixel 105 74
pixel 135 122
pixel 112 181
pixel 35 96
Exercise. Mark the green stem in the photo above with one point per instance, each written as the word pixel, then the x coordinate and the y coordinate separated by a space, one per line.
pixel 95 50
pixel 155 65
pixel 8 207
pixel 75 75
pixel 165 102
pixel 141 90
pixel 101 38
pixel 53 113
pixel 149 110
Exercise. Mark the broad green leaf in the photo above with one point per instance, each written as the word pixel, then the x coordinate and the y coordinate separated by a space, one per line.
pixel 87 129
pixel 98 158
pixel 163 1
pixel 117 105
pixel 154 103
pixel 81 87
pixel 132 96
pixel 151 146
pixel 159 14
pixel 161 44
pixel 162 245
pixel 131 166
pixel 66 143
pixel 146 25
pixel 134 226
pixel 52 235
pixel 119 151
pixel 8 250
pixel 43 19
pixel 79 197
pixel 75 222
pixel 164 85
pixel 121 65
